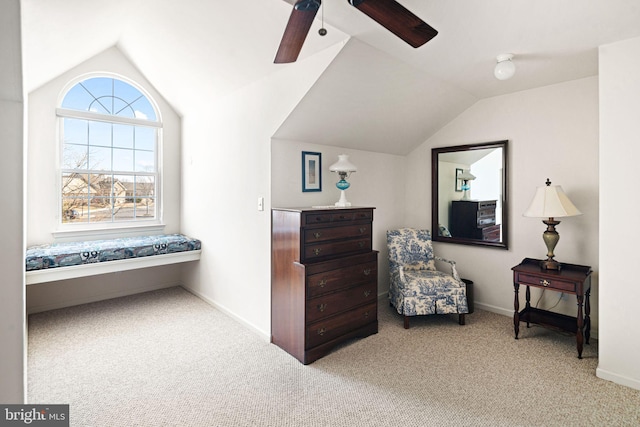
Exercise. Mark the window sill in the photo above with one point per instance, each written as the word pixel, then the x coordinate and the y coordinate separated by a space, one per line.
pixel 79 234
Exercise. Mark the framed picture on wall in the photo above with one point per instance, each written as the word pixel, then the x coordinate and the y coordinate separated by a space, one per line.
pixel 458 180
pixel 311 171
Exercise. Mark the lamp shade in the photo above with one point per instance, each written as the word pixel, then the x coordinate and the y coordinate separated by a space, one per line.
pixel 343 165
pixel 550 201
pixel 466 176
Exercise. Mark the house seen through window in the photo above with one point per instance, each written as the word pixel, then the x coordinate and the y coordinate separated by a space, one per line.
pixel 109 153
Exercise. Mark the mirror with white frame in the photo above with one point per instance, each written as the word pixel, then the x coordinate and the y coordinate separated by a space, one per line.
pixel 469 194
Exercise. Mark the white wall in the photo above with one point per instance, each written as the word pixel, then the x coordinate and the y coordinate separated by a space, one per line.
pixel 226 168
pixel 619 153
pixel 552 133
pixel 12 317
pixel 42 191
pixel 379 183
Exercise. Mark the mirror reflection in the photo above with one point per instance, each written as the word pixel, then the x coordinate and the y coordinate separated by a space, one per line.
pixel 469 197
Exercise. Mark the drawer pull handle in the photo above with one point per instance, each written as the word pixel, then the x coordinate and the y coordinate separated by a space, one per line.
pixel 367 293
pixel 363 230
pixel 367 271
pixel 317 235
pixel 366 314
pixel 544 283
pixel 322 307
pixel 317 251
pixel 322 283
pixel 321 331
pixel 361 244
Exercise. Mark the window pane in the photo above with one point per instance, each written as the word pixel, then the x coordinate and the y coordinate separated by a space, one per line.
pixel 124 185
pixel 122 160
pixel 145 186
pixel 74 209
pixel 123 209
pixel 146 208
pixel 75 185
pixel 101 185
pixel 77 99
pixel 99 158
pixel 123 136
pixel 100 209
pixel 75 131
pixel 145 138
pixel 74 156
pixel 144 109
pixel 122 108
pixel 145 161
pixel 100 134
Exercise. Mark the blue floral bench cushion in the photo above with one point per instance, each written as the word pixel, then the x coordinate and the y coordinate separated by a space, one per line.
pixel 78 253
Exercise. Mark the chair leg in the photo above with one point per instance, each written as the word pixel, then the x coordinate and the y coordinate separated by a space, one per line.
pixel 406 322
pixel 461 319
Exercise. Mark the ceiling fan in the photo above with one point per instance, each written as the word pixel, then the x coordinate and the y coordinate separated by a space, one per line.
pixel 388 13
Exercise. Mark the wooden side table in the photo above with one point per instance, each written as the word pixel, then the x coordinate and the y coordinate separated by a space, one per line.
pixel 570 279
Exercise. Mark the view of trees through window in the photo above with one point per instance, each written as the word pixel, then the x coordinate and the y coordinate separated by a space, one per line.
pixel 109 166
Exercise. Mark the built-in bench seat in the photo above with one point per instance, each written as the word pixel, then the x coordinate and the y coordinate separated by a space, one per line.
pixel 60 261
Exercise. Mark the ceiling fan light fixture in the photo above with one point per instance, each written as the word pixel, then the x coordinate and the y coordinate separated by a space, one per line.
pixel 505 68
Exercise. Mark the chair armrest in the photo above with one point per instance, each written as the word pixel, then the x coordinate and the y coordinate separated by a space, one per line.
pixel 454 271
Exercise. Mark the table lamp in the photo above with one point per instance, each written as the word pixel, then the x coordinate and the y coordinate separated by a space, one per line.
pixel 343 167
pixel 551 202
pixel 466 176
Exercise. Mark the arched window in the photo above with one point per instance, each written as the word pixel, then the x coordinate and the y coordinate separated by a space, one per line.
pixel 109 143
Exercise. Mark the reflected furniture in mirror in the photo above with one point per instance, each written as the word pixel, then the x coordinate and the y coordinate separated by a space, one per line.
pixel 469 194
pixel 416 287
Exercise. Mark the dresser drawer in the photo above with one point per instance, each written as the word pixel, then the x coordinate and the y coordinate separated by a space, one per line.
pixel 337 216
pixel 333 280
pixel 561 285
pixel 336 248
pixel 316 235
pixel 328 305
pixel 325 330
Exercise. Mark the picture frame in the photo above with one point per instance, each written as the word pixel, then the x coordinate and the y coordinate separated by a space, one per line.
pixel 311 171
pixel 458 180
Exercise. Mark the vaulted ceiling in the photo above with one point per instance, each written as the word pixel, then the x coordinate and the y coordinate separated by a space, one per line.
pixel 378 94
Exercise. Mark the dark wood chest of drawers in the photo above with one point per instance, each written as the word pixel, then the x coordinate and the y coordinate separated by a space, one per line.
pixel 324 279
pixel 474 220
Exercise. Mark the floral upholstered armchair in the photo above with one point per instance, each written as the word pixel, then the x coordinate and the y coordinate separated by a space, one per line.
pixel 416 287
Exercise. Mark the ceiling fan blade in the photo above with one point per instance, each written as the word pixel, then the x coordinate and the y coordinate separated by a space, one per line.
pixel 397 19
pixel 302 16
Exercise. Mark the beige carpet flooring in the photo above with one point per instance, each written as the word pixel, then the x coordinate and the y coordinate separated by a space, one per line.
pixel 166 358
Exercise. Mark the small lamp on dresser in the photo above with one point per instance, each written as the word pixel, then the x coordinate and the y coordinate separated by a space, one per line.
pixel 551 202
pixel 343 167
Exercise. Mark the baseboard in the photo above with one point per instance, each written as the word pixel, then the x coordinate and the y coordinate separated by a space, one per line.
pixel 493 309
pixel 618 379
pixel 96 298
pixel 262 334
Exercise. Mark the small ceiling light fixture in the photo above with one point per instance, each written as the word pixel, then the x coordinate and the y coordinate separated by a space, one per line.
pixel 505 68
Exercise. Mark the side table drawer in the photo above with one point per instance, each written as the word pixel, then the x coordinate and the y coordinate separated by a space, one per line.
pixel 332 280
pixel 561 285
pixel 325 330
pixel 328 305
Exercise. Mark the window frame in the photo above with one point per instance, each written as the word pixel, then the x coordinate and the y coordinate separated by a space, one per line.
pixel 134 225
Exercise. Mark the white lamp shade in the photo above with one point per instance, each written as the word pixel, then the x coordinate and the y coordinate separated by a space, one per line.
pixel 466 176
pixel 551 202
pixel 505 68
pixel 343 165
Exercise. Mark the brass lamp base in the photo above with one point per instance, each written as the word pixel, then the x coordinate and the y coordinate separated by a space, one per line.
pixel 550 237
